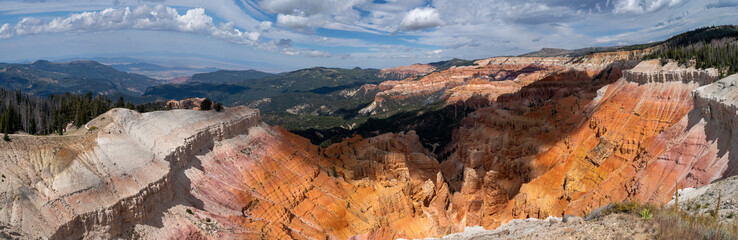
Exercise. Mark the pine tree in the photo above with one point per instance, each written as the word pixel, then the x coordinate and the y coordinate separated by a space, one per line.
pixel 59 123
pixel 6 123
pixel 78 114
pixel 121 103
pixel 32 125
pixel 206 105
pixel 46 115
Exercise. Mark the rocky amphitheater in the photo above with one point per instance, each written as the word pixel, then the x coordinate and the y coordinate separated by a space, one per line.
pixel 557 136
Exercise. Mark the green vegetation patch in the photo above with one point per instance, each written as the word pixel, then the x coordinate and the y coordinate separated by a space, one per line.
pixel 45 115
pixel 709 47
pixel 443 65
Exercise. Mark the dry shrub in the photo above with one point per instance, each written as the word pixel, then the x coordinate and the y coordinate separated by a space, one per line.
pixel 677 224
pixel 628 206
pixel 673 223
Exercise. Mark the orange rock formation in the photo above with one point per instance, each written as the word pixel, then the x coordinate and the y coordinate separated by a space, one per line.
pixel 562 137
pixel 488 78
pixel 189 103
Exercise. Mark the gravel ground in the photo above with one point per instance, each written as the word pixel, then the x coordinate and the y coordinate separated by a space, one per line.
pixel 614 226
pixel 703 200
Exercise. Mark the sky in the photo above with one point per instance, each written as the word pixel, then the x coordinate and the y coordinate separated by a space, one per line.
pixel 281 35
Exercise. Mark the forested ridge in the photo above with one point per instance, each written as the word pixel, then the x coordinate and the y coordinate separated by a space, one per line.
pixel 709 47
pixel 20 111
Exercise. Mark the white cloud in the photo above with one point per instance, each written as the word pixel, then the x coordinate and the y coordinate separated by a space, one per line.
pixel 316 53
pixel 306 53
pixel 312 7
pixel 642 6
pixel 723 4
pixel 291 6
pixel 32 7
pixel 6 31
pixel 305 16
pixel 158 18
pixel 299 23
pixel 466 29
pixel 264 26
pixel 421 18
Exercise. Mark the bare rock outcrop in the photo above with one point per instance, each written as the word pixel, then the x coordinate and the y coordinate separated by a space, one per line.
pixel 188 103
pixel 704 200
pixel 575 141
pixel 403 72
pixel 719 101
pixel 653 71
pixel 218 175
pixel 613 227
pixel 100 183
pixel 708 135
pixel 489 78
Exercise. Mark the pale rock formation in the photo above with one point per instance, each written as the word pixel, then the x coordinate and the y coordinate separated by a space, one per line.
pixel 403 72
pixel 651 71
pixel 99 183
pixel 613 227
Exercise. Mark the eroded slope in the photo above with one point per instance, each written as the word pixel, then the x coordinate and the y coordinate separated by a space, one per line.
pixel 102 181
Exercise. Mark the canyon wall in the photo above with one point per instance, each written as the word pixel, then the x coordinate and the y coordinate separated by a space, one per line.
pixel 403 72
pixel 99 182
pixel 580 150
pixel 488 79
pixel 207 175
pixel 571 136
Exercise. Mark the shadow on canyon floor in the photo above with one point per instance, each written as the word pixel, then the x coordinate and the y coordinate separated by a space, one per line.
pixel 544 112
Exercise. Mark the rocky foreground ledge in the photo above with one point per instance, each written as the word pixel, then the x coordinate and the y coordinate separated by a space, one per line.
pixel 100 182
pixel 694 218
pixel 615 226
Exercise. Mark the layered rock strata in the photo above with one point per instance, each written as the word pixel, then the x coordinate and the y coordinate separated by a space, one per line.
pixel 101 182
pixel 207 175
pixel 488 79
pixel 578 151
pixel 570 141
pixel 403 72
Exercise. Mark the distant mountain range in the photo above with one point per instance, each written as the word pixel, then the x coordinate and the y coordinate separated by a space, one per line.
pixel 314 91
pixel 160 72
pixel 43 78
pixel 246 87
pixel 226 76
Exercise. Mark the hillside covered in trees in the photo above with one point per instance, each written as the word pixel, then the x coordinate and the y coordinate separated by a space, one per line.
pixel 51 114
pixel 709 47
pixel 44 78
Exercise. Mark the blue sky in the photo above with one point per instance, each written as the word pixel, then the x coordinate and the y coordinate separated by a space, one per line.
pixel 280 35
